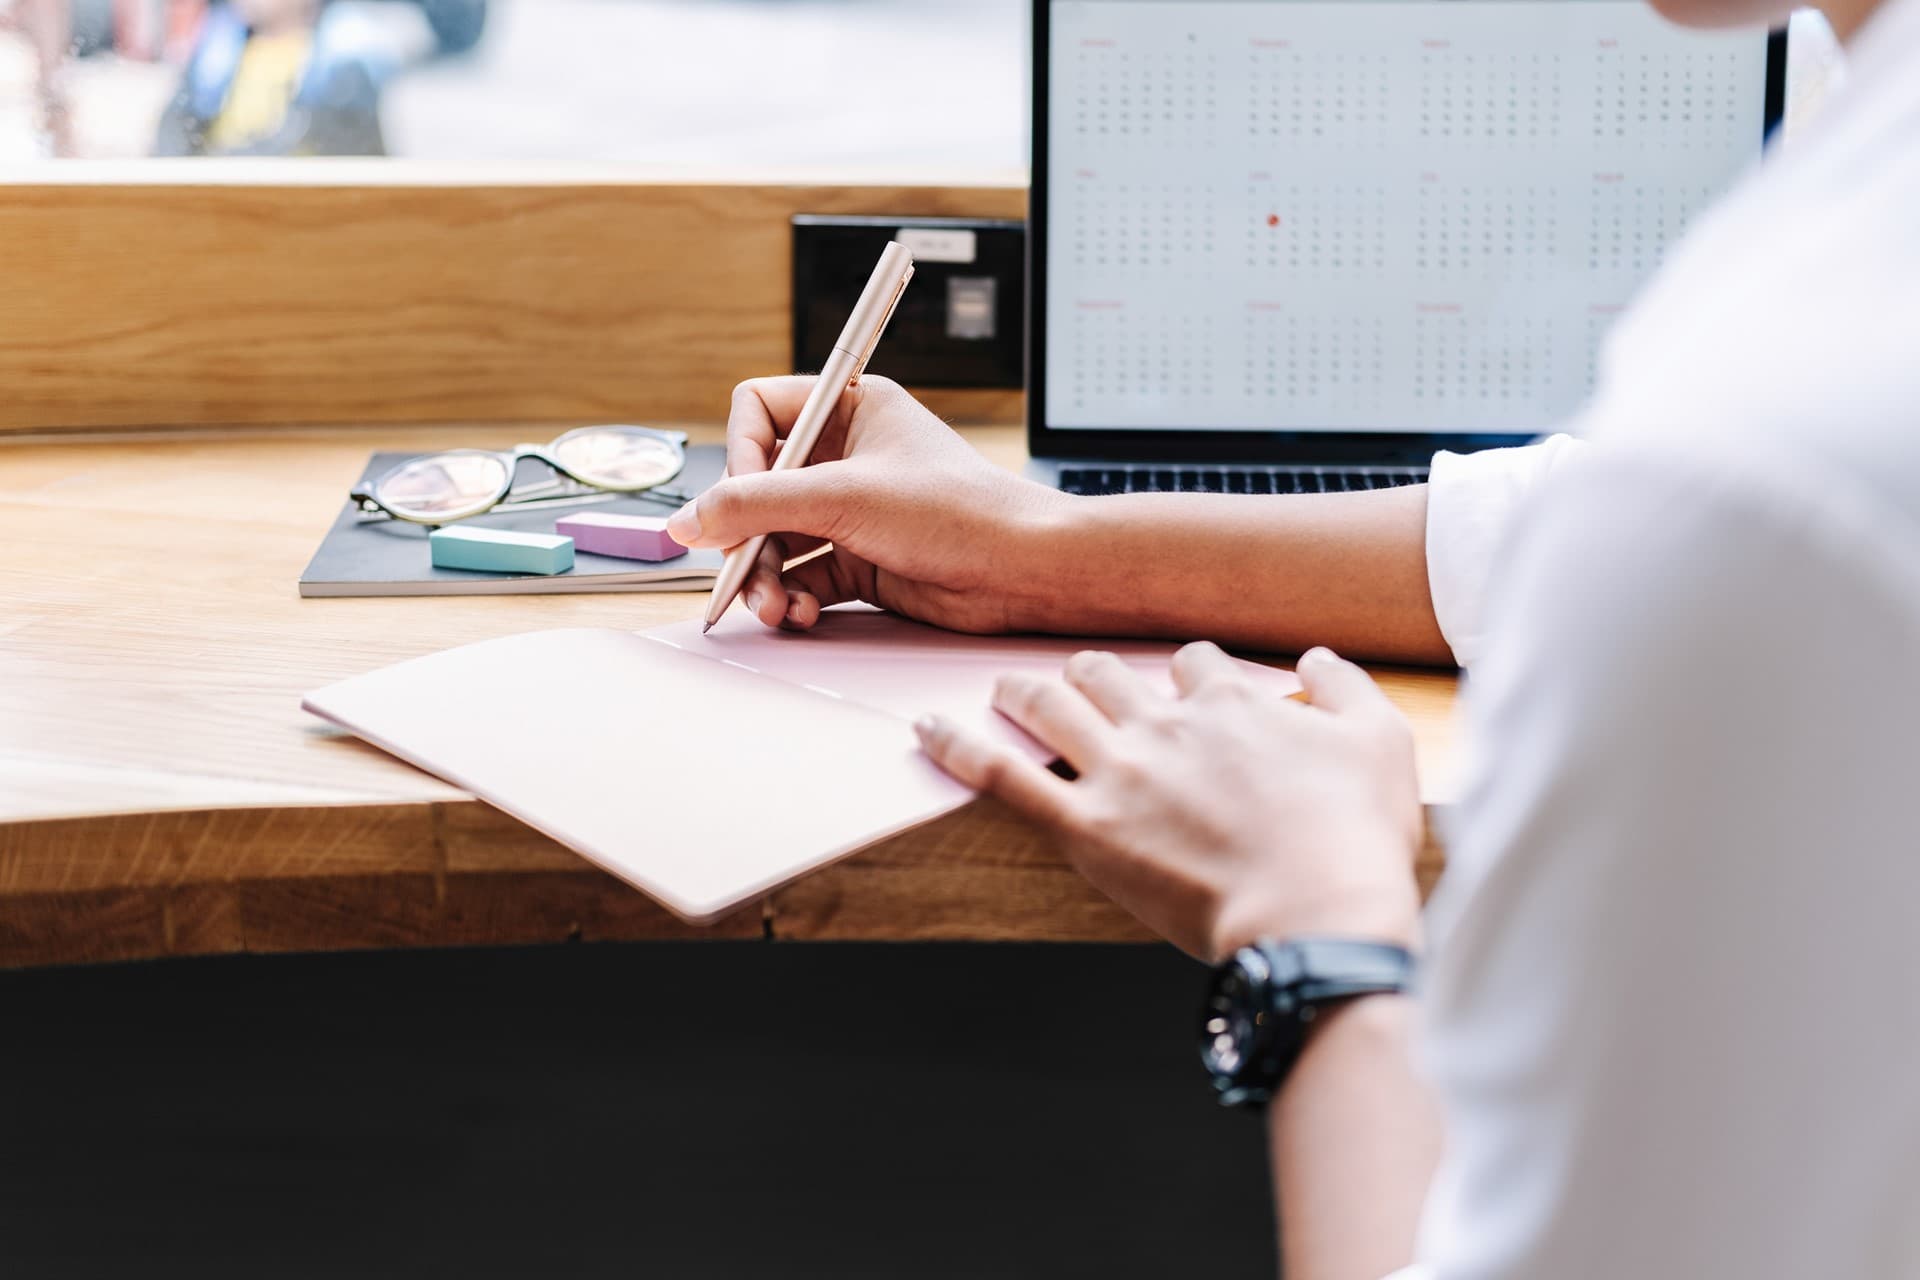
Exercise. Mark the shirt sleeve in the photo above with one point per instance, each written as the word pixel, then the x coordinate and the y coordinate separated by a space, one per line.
pixel 1669 1012
pixel 1471 500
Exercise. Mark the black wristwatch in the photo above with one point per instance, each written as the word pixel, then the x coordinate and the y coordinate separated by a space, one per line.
pixel 1266 996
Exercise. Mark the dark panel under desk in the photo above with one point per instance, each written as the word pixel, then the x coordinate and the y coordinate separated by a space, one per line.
pixel 684 1110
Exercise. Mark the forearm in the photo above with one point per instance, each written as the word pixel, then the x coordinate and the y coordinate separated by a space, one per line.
pixel 1347 570
pixel 1355 1138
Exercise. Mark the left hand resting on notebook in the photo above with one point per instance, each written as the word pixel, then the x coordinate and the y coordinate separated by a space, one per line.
pixel 1224 815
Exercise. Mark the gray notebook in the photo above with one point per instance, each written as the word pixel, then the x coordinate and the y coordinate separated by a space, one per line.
pixel 390 557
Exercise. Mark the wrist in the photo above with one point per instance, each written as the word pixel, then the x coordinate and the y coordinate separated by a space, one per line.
pixel 1267 1002
pixel 1379 1020
pixel 1049 535
pixel 1384 911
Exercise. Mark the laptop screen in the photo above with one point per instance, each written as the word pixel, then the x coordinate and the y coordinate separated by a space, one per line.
pixel 1366 215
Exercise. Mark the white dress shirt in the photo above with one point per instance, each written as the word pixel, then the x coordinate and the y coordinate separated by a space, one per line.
pixel 1673 1005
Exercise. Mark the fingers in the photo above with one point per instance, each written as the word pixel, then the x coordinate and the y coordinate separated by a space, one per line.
pixel 802 591
pixel 1110 685
pixel 805 501
pixel 1058 718
pixel 750 432
pixel 792 598
pixel 1197 665
pixel 803 610
pixel 762 411
pixel 763 593
pixel 997 770
pixel 1334 684
pixel 825 580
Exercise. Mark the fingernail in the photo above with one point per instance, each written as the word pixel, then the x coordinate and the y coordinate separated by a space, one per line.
pixel 1317 656
pixel 926 727
pixel 753 602
pixel 683 526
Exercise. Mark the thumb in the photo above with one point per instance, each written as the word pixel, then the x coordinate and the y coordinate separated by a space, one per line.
pixel 804 501
pixel 1336 685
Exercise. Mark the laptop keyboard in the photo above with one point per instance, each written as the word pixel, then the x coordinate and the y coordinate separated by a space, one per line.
pixel 1143 479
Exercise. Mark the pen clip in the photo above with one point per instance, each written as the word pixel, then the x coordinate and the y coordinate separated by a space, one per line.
pixel 860 365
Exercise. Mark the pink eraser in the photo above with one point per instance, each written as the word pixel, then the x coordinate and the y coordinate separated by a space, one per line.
pixel 628 537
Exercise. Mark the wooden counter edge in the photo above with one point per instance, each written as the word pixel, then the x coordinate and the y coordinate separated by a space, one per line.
pixel 464 874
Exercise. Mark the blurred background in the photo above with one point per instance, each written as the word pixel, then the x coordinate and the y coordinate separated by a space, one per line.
pixel 699 82
pixel 654 81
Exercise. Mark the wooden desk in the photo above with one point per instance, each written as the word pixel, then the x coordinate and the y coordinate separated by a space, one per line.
pixel 162 793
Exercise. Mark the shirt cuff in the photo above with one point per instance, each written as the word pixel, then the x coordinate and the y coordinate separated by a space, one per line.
pixel 1415 1272
pixel 1471 499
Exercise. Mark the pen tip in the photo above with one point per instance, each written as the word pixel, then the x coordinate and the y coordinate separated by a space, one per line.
pixel 705 627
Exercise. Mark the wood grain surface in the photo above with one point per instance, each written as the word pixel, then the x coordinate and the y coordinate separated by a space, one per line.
pixel 164 793
pixel 255 292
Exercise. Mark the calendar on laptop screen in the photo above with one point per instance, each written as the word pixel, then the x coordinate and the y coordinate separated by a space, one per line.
pixel 1352 215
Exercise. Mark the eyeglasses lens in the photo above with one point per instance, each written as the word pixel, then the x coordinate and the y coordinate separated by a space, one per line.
pixel 446 484
pixel 619 458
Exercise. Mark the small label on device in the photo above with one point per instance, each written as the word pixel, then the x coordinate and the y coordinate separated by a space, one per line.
pixel 939 244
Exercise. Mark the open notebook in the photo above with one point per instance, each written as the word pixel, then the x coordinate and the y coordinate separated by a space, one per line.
pixel 360 557
pixel 705 770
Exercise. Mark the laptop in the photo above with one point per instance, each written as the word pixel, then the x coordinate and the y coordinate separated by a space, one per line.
pixel 1287 246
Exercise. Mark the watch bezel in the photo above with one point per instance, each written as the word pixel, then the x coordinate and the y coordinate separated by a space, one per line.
pixel 1265 975
pixel 1270 993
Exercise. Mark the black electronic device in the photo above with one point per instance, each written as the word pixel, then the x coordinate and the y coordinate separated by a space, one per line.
pixel 961 323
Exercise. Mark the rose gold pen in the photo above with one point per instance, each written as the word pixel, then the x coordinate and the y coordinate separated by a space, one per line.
pixel 842 370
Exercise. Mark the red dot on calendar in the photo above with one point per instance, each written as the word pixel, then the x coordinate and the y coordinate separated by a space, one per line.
pixel 1273 219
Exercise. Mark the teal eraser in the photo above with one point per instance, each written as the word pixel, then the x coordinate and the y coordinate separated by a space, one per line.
pixel 500 550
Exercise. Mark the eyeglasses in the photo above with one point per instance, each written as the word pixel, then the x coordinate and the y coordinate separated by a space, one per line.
pixel 591 464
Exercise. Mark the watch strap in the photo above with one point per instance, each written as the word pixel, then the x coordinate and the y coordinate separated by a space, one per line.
pixel 1316 971
pixel 1295 980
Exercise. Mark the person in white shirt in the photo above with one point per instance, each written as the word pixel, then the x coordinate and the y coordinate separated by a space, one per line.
pixel 1671 1015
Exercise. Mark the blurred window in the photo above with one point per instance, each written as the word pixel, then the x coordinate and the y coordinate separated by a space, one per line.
pixel 888 83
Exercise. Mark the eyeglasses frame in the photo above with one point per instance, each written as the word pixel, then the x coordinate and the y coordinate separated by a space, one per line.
pixel 372 507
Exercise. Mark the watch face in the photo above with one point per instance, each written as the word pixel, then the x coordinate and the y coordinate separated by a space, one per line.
pixel 1229 1024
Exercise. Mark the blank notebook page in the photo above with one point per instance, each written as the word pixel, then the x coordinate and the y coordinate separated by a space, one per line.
pixel 699 783
pixel 705 771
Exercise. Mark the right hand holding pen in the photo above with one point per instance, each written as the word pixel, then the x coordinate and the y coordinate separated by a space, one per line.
pixel 918 521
